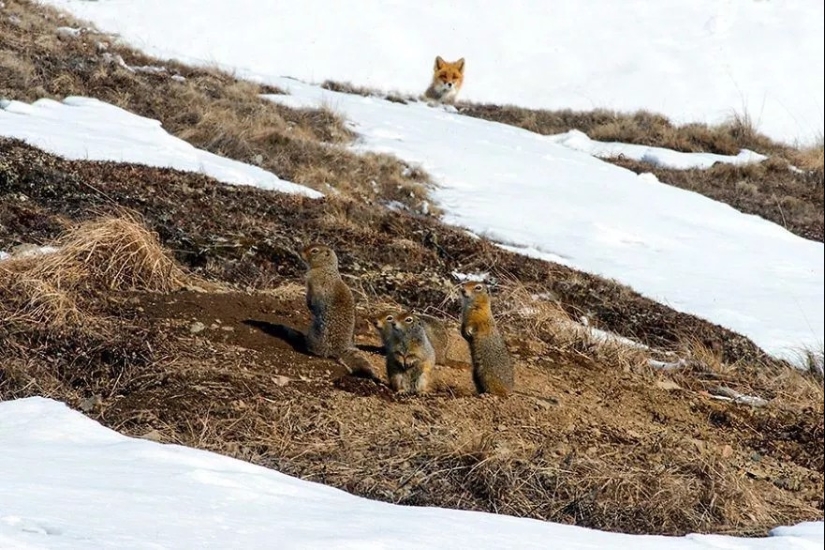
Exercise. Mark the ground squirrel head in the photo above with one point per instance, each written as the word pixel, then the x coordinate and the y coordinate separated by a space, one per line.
pixel 406 321
pixel 383 319
pixel 384 323
pixel 473 292
pixel 319 255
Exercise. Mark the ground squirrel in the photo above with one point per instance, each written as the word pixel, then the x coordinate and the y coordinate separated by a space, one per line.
pixel 410 356
pixel 492 365
pixel 435 329
pixel 383 323
pixel 332 330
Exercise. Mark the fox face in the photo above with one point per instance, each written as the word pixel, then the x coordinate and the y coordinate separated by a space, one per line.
pixel 447 78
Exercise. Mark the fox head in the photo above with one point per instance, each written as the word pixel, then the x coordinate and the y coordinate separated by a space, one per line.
pixel 448 76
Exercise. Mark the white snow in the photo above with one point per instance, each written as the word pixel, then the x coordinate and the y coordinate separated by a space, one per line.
pixel 69 483
pixel 88 129
pixel 546 200
pixel 657 156
pixel 693 61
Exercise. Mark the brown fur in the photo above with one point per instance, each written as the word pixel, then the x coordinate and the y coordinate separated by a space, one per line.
pixel 383 324
pixel 330 302
pixel 492 364
pixel 447 80
pixel 332 329
pixel 411 360
pixel 438 335
pixel 436 330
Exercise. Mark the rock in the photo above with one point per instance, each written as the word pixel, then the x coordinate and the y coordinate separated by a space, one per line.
pixel 281 380
pixel 668 385
pixel 90 403
pixel 152 435
pixel 196 327
pixel 727 451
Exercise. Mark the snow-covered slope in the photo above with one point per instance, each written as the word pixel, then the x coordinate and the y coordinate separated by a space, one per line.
pixel 697 60
pixel 546 200
pixel 67 483
pixel 84 128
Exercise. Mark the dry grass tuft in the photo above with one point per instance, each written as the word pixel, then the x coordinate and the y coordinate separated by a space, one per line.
pixel 659 491
pixel 782 385
pixel 539 317
pixel 109 253
pixel 350 88
pixel 115 253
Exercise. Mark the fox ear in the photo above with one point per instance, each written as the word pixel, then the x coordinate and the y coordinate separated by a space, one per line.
pixel 460 64
pixel 439 63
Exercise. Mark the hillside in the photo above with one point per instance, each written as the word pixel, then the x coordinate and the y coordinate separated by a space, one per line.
pixel 212 364
pixel 168 302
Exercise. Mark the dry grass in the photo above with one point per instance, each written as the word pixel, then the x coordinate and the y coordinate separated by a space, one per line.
pixel 606 449
pixel 540 320
pixel 643 128
pixel 704 370
pixel 350 88
pixel 209 108
pixel 109 253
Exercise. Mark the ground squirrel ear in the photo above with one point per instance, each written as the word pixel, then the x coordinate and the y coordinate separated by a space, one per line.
pixel 460 64
pixel 439 63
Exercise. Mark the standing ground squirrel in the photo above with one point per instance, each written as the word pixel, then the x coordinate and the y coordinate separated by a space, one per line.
pixel 410 356
pixel 332 330
pixel 492 365
pixel 436 331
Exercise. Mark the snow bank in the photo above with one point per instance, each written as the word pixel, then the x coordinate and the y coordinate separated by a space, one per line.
pixel 69 483
pixel 88 129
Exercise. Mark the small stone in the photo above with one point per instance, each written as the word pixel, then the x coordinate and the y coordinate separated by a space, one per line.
pixel 196 327
pixel 281 380
pixel 668 385
pixel 89 404
pixel 152 435
pixel 727 451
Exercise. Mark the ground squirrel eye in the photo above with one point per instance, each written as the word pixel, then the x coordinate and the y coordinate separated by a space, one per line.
pixel 389 318
pixel 408 320
pixel 478 288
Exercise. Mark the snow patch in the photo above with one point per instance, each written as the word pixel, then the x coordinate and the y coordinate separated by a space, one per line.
pixel 85 128
pixel 656 156
pixel 77 484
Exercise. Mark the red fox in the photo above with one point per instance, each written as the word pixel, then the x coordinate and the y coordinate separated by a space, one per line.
pixel 447 80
